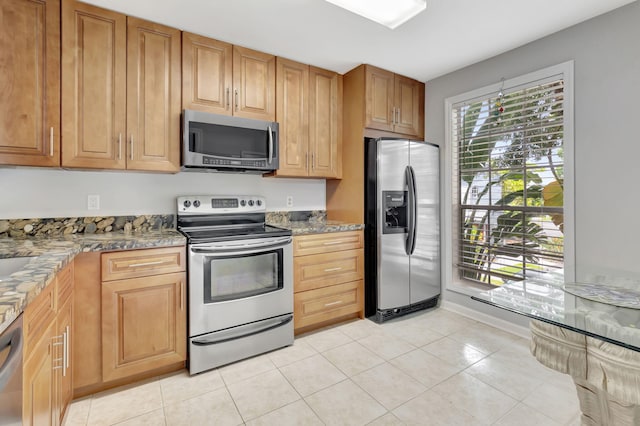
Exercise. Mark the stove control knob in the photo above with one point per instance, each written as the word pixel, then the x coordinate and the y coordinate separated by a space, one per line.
pixel 243 203
pixel 259 202
pixel 196 203
pixel 251 203
pixel 186 204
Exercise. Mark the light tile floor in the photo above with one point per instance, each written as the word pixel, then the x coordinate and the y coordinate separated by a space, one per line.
pixel 430 368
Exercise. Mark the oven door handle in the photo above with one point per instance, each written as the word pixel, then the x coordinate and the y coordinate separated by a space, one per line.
pixel 246 331
pixel 219 248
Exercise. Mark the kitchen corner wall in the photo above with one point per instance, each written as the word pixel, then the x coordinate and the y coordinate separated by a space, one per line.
pixel 607 148
pixel 39 192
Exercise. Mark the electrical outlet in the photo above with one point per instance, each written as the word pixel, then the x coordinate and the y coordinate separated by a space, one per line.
pixel 93 202
pixel 289 200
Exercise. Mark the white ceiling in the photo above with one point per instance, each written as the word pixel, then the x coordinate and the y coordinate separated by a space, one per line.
pixel 449 35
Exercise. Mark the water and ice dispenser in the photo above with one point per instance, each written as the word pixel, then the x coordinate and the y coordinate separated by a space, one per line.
pixel 395 212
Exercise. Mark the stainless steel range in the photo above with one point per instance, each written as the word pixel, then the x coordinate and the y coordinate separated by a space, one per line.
pixel 240 279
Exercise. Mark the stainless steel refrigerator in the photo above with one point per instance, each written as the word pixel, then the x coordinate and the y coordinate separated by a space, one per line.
pixel 402 233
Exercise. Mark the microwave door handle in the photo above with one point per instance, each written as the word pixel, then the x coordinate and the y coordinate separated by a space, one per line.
pixel 270 145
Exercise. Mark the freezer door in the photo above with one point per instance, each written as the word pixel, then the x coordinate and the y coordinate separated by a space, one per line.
pixel 393 261
pixel 425 258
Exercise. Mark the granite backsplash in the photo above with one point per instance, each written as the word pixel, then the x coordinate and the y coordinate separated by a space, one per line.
pixel 16 228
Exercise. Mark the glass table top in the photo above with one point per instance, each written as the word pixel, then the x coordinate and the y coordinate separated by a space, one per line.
pixel 580 309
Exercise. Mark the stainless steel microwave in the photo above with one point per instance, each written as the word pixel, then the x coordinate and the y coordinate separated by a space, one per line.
pixel 213 142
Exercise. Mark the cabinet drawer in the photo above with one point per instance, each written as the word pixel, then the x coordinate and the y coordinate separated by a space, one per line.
pixel 321 270
pixel 316 306
pixel 65 284
pixel 38 316
pixel 325 243
pixel 140 263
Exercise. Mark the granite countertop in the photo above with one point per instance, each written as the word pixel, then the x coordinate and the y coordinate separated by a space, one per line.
pixel 50 254
pixel 308 227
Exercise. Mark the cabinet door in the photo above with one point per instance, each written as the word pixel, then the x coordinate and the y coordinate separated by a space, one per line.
pixel 206 74
pixel 94 56
pixel 379 108
pixel 39 381
pixel 254 84
pixel 143 324
pixel 409 100
pixel 323 304
pixel 63 384
pixel 327 269
pixel 293 117
pixel 30 82
pixel 64 334
pixel 153 96
pixel 325 123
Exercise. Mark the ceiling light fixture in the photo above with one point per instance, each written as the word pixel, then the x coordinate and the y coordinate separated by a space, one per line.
pixel 390 13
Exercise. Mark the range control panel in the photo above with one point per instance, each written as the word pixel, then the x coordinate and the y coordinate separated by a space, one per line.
pixel 220 204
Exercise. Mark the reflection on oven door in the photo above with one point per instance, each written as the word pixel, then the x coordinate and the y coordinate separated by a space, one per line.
pixel 235 287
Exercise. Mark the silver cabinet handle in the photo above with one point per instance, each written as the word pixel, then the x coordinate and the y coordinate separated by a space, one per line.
pixel 51 142
pixel 181 297
pixel 333 303
pixel 119 146
pixel 306 160
pixel 313 160
pixel 131 148
pixel 136 265
pixel 68 342
pixel 332 269
pixel 236 98
pixel 269 160
pixel 331 243
pixel 398 114
pixel 65 351
pixel 393 115
pixel 228 99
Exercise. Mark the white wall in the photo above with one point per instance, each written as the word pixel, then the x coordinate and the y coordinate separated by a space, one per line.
pixel 607 147
pixel 35 192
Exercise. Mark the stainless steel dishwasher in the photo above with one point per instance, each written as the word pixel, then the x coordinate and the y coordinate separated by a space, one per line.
pixel 11 374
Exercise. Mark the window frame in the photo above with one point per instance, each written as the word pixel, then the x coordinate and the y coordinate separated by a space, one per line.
pixel 451 203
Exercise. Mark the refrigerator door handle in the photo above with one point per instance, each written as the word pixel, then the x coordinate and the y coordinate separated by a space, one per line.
pixel 413 210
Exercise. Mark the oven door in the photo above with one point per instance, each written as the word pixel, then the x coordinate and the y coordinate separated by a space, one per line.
pixel 237 282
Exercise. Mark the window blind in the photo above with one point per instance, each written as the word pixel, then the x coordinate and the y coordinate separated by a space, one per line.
pixel 508 166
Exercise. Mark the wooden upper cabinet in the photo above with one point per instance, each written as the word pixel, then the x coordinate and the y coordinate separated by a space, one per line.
pixel 121 85
pixel 292 94
pixel 254 82
pixel 379 106
pixel 225 79
pixel 153 96
pixel 30 82
pixel 94 66
pixel 393 103
pixel 409 102
pixel 325 123
pixel 309 112
pixel 206 74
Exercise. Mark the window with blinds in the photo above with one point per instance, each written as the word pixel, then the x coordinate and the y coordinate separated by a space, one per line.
pixel 508 180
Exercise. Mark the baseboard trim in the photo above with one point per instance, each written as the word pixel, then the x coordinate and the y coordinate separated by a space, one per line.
pixel 486 319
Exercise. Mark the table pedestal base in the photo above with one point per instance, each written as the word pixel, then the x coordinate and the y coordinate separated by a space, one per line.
pixel 607 376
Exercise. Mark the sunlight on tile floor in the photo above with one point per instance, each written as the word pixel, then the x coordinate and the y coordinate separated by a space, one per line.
pixel 429 368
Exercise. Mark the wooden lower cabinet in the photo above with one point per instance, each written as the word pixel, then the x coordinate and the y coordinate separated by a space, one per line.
pixel 326 303
pixel 38 382
pixel 47 378
pixel 130 311
pixel 143 324
pixel 328 279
